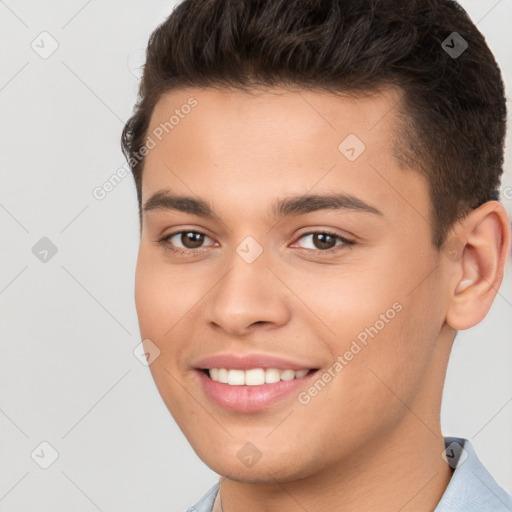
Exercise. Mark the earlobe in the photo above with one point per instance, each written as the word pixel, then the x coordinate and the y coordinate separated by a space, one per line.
pixel 479 270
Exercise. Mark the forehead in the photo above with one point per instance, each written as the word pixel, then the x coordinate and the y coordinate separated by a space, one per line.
pixel 209 142
pixel 275 115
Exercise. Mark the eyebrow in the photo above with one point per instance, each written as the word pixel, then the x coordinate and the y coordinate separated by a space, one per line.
pixel 289 206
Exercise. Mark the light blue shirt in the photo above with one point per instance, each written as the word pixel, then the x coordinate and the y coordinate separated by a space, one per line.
pixel 471 488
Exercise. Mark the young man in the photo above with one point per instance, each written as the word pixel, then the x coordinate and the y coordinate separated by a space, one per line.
pixel 318 190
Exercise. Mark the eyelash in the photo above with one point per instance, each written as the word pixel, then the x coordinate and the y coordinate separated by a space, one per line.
pixel 164 241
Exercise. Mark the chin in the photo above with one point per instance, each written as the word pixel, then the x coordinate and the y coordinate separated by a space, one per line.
pixel 267 470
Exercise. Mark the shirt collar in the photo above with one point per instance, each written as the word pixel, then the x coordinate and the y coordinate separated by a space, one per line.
pixel 471 488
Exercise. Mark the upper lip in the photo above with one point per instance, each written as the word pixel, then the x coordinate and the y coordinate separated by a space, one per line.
pixel 248 361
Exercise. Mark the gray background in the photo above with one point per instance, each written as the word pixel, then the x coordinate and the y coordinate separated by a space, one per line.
pixel 69 326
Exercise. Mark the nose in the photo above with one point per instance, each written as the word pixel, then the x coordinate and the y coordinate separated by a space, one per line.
pixel 248 296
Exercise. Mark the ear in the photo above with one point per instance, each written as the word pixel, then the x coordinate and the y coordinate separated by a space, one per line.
pixel 477 252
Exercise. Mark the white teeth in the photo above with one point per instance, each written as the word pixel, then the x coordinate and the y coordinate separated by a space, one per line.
pixel 223 375
pixel 272 375
pixel 287 375
pixel 254 376
pixel 236 377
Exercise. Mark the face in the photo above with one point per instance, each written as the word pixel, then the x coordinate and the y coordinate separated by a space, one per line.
pixel 285 250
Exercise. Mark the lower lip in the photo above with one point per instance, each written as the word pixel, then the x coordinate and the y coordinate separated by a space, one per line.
pixel 250 398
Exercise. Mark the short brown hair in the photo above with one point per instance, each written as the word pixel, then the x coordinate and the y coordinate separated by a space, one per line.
pixel 454 112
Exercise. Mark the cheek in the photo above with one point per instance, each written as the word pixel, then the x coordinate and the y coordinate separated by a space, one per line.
pixel 157 309
pixel 166 298
pixel 376 318
pixel 400 345
pixel 155 300
pixel 160 296
pixel 343 304
pixel 147 291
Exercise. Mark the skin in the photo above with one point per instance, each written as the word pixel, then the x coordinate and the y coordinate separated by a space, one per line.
pixel 371 438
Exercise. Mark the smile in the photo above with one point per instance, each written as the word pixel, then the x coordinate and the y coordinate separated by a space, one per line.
pixel 253 376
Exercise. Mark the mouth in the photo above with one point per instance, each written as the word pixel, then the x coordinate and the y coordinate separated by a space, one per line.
pixel 253 389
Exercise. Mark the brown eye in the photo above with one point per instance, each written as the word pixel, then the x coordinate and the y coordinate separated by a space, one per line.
pixel 184 241
pixel 191 239
pixel 324 241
